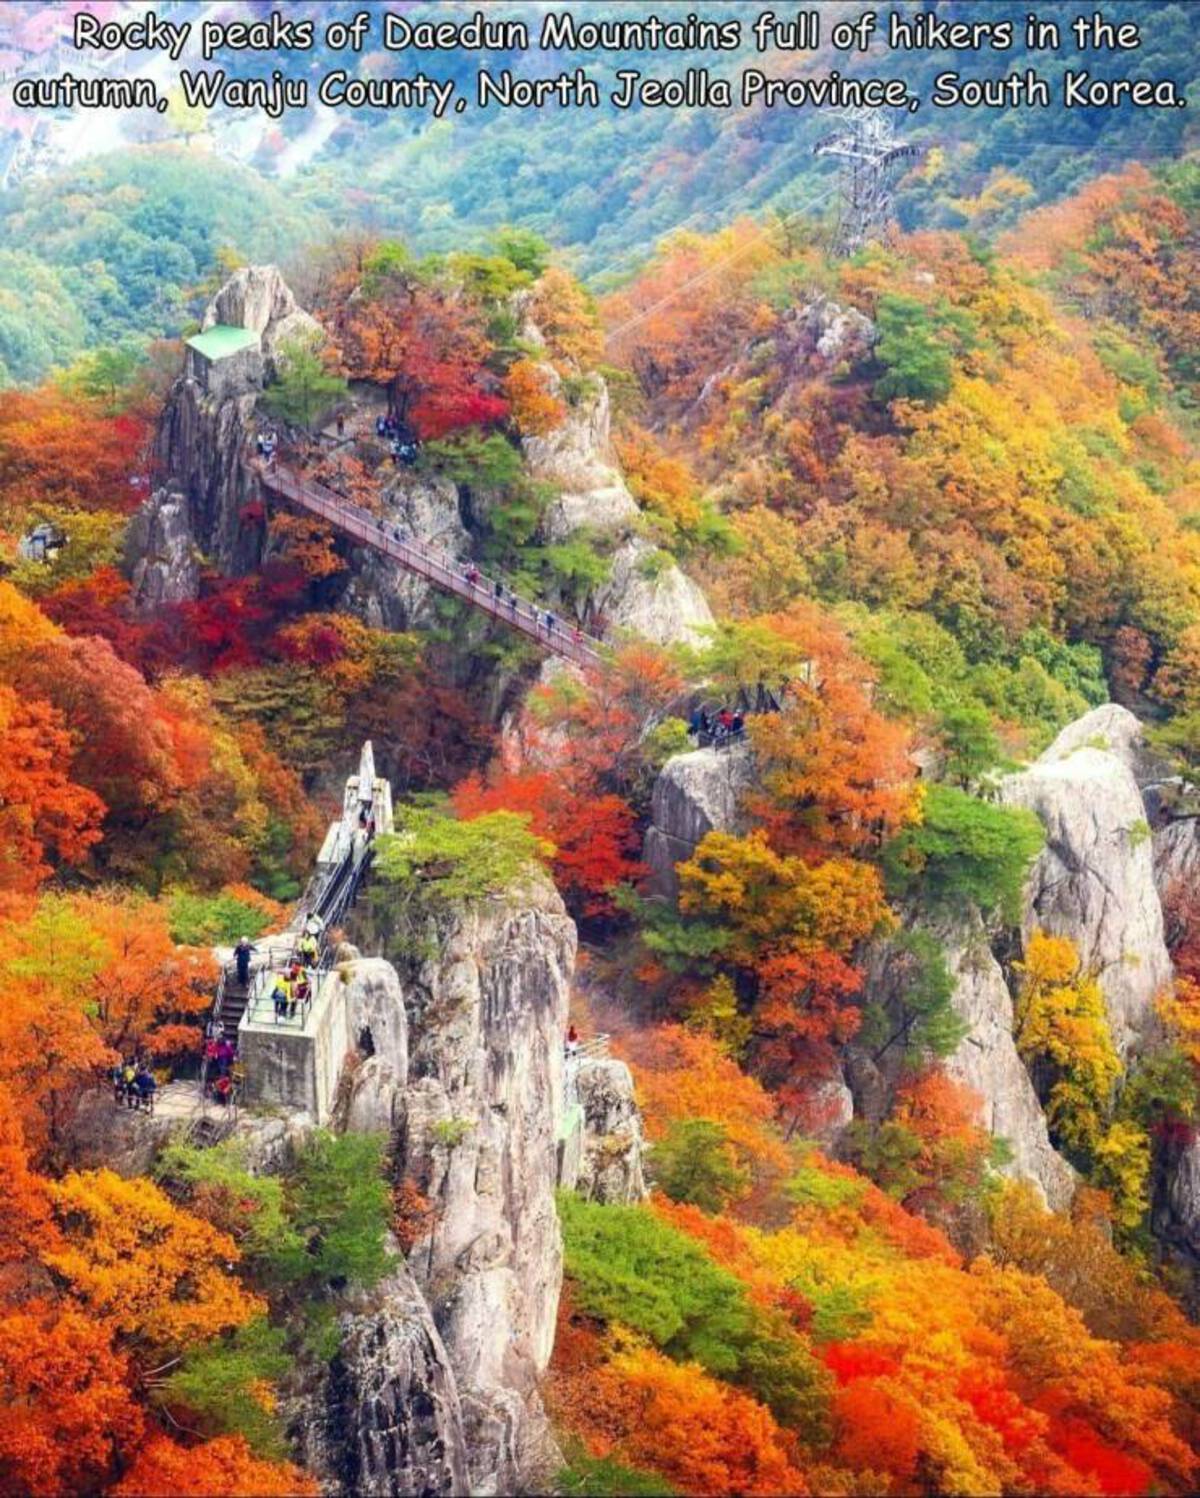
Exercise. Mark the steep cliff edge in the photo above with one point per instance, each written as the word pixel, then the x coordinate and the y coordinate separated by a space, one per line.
pixel 1094 881
pixel 477 1134
pixel 201 446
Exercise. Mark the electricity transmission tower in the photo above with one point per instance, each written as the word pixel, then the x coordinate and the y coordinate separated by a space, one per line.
pixel 869 154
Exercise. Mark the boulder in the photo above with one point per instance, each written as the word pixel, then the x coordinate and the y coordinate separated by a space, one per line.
pixel 1094 880
pixel 613 1144
pixel 257 297
pixel 694 794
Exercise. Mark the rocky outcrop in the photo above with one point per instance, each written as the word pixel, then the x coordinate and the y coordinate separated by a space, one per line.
pixel 987 1061
pixel 384 1417
pixel 645 593
pixel 377 1026
pixel 613 1144
pixel 1094 881
pixel 257 297
pixel 160 553
pixel 576 459
pixel 694 794
pixel 823 335
pixel 652 598
pixel 425 507
pixel 486 1011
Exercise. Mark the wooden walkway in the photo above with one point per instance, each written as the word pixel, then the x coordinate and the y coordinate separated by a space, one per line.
pixel 442 572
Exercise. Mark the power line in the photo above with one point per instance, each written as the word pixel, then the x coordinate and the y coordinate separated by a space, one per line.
pixel 709 271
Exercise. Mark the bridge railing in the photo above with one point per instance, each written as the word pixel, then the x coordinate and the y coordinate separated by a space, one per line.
pixel 443 572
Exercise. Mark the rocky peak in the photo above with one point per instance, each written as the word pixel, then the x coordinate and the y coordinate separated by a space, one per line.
pixel 257 298
pixel 646 593
pixel 1094 880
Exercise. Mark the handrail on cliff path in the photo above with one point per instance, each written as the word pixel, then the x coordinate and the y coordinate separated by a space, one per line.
pixel 518 613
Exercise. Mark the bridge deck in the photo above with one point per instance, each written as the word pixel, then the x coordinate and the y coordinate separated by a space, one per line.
pixel 517 613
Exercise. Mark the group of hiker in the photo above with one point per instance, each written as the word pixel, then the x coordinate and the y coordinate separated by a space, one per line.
pixel 134 1084
pixel 403 446
pixel 220 1068
pixel 506 597
pixel 716 728
pixel 293 987
pixel 266 443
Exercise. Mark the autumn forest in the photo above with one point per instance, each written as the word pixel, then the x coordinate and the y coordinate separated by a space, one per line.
pixel 774 1053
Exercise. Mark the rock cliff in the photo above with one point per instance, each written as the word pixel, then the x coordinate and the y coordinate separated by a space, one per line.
pixel 482 1109
pixel 1094 880
pixel 201 448
pixel 613 1144
pixel 384 1416
pixel 694 794
pixel 987 1061
pixel 645 593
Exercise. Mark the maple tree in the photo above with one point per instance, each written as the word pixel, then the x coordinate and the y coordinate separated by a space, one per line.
pixel 138 1264
pixel 429 349
pixel 211 1469
pixel 44 814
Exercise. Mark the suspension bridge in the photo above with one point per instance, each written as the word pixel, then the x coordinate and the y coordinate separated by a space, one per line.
pixel 465 581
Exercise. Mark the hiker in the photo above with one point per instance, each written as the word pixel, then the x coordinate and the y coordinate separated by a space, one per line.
pixel 381 426
pixel 302 994
pixel 549 622
pixel 309 949
pixel 696 722
pixel 737 724
pixel 341 424
pixel 117 1077
pixel 572 1045
pixel 241 957
pixel 222 1089
pixel 499 591
pixel 146 1087
pixel 129 1082
pixel 261 443
pixel 226 1051
pixel 281 995
pixel 513 604
pixel 396 448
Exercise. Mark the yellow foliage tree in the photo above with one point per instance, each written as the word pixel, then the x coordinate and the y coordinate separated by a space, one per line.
pixel 134 1260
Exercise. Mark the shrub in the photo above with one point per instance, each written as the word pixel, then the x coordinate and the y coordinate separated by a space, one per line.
pixel 965 850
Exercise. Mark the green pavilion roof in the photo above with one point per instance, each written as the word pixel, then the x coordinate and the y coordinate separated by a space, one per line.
pixel 220 341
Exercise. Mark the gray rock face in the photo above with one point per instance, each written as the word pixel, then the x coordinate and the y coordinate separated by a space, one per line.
pixel 577 459
pixel 160 553
pixel 257 297
pixel 384 595
pixel 987 1061
pixel 385 1417
pixel 694 794
pixel 613 1144
pixel 1094 881
pixel 663 605
pixel 1184 1197
pixel 204 443
pixel 825 334
pixel 486 1020
pixel 1177 854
